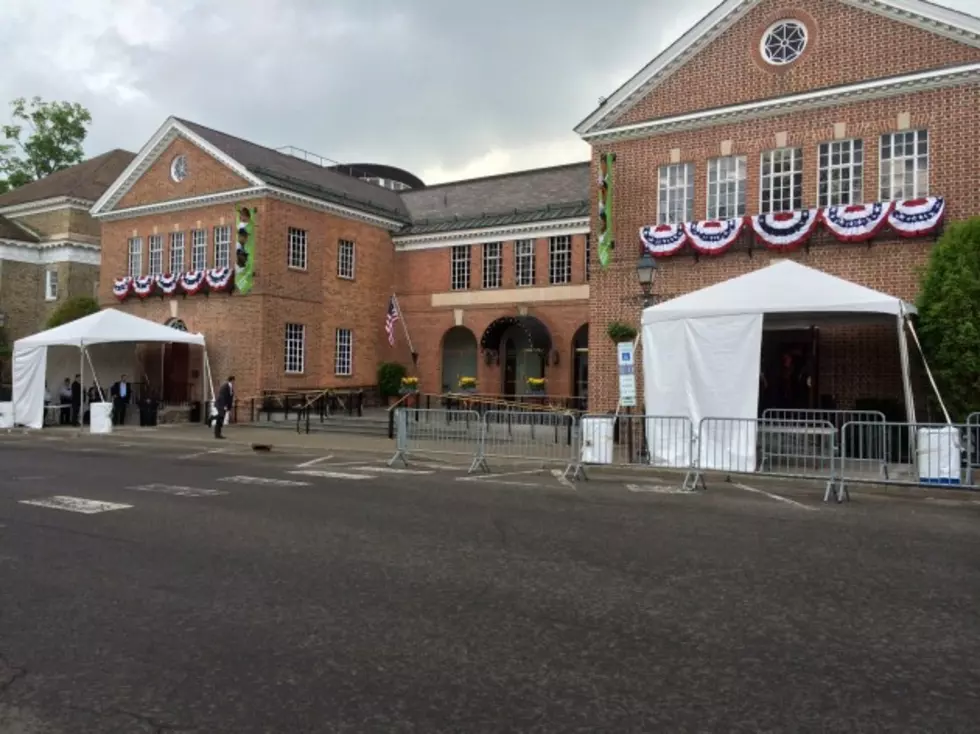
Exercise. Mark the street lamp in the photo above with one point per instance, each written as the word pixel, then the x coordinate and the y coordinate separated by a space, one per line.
pixel 646 270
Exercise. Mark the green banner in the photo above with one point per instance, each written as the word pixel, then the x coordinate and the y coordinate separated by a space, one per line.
pixel 247 228
pixel 606 243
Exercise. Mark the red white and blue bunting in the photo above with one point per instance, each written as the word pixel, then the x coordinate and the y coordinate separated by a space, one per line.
pixel 790 230
pixel 167 283
pixel 220 279
pixel 714 238
pixel 917 217
pixel 785 230
pixel 122 287
pixel 143 285
pixel 192 281
pixel 663 240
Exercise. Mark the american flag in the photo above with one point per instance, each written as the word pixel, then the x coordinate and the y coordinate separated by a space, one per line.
pixel 390 320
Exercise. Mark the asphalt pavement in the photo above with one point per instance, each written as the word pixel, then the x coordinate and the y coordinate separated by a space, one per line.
pixel 215 590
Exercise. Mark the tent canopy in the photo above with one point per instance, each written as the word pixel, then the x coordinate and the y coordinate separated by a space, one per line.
pixel 106 327
pixel 785 287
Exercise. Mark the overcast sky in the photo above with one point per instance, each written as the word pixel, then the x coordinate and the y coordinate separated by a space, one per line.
pixel 447 89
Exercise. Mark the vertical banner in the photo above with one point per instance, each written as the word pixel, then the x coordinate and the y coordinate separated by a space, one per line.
pixel 247 228
pixel 606 244
pixel 625 352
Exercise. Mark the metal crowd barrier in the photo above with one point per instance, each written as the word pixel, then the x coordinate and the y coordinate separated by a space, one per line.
pixel 438 432
pixel 973 441
pixel 544 437
pixel 664 442
pixel 868 446
pixel 918 455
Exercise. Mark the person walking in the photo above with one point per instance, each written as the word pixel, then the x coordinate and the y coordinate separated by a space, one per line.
pixel 226 397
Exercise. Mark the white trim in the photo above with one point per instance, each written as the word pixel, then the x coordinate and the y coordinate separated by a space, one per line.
pixel 33 254
pixel 527 231
pixel 793 150
pixel 783 21
pixel 331 208
pixel 148 155
pixel 923 15
pixel 193 202
pixel 48 272
pixel 849 94
pixel 42 206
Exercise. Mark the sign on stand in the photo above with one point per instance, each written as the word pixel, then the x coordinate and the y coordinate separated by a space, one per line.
pixel 626 358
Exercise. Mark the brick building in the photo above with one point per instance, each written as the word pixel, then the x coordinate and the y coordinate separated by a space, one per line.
pixel 49 243
pixel 772 106
pixel 490 275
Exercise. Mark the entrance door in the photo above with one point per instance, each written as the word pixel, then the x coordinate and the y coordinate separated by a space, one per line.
pixel 510 368
pixel 176 366
pixel 580 367
pixel 789 379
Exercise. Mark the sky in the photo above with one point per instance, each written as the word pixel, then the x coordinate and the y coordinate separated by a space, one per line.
pixel 443 88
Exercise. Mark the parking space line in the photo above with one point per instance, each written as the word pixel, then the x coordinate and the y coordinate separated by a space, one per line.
pixel 492 477
pixel 199 454
pixel 390 470
pixel 313 462
pixel 772 496
pixel 76 504
pixel 330 474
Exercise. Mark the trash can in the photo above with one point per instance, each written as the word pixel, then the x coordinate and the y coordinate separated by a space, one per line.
pixel 196 414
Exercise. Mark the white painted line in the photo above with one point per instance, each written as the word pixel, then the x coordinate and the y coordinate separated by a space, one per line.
pixel 492 477
pixel 199 454
pixel 265 481
pixel 313 462
pixel 562 479
pixel 389 470
pixel 772 496
pixel 657 489
pixel 331 474
pixel 177 490
pixel 76 504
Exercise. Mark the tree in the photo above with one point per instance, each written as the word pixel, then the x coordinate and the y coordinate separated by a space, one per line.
pixel 949 316
pixel 71 310
pixel 43 138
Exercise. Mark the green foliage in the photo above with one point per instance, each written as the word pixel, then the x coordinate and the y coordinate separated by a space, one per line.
pixel 44 137
pixel 390 376
pixel 620 332
pixel 5 346
pixel 72 309
pixel 949 316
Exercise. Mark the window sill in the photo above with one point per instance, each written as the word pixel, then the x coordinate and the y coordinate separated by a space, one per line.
pixel 346 277
pixel 337 374
pixel 50 299
pixel 288 373
pixel 297 269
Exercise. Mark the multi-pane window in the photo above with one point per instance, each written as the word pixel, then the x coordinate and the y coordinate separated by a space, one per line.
pixel 726 187
pixel 199 249
pixel 295 361
pixel 343 353
pixel 588 256
pixel 222 247
pixel 156 255
pixel 782 181
pixel 492 265
pixel 524 262
pixel 296 257
pixel 904 165
pixel 345 259
pixel 676 202
pixel 841 173
pixel 51 285
pixel 459 265
pixel 176 252
pixel 560 260
pixel 135 268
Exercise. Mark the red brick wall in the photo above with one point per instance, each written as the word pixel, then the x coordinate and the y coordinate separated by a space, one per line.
pixel 421 273
pixel 205 175
pixel 893 267
pixel 845 46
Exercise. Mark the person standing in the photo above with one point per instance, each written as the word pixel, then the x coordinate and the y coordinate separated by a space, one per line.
pixel 121 393
pixel 64 395
pixel 76 401
pixel 226 397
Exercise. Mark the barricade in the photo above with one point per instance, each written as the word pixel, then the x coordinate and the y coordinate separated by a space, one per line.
pixel 549 438
pixel 973 440
pixel 424 432
pixel 792 449
pixel 918 455
pixel 868 446
pixel 664 442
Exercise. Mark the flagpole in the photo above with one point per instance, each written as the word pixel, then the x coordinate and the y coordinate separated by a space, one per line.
pixel 408 338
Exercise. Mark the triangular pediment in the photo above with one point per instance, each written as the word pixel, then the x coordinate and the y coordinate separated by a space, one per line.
pixel 946 25
pixel 170 136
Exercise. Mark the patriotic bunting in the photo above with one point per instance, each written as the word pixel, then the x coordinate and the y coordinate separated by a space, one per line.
pixel 192 282
pixel 917 217
pixel 122 287
pixel 664 239
pixel 167 283
pixel 785 230
pixel 220 279
pixel 143 285
pixel 714 238
pixel 857 222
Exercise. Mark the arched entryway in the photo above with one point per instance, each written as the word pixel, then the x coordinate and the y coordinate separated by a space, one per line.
pixel 522 345
pixel 580 367
pixel 175 382
pixel 458 357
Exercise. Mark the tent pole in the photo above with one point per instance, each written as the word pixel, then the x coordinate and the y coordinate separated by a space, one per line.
pixel 903 351
pixel 81 381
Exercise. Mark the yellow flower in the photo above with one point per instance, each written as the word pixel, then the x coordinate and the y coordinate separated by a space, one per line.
pixel 467 382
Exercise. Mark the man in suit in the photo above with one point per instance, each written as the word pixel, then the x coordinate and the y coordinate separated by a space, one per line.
pixel 226 397
pixel 76 400
pixel 121 393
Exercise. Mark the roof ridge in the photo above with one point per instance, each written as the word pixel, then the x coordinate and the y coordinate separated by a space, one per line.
pixel 496 176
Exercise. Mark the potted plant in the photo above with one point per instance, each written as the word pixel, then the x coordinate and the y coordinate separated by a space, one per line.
pixel 467 384
pixel 620 332
pixel 409 385
pixel 390 375
pixel 536 385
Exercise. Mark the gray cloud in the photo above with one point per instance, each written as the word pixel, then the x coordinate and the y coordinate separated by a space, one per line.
pixel 422 84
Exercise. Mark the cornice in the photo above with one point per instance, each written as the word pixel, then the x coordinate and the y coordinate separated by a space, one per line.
pixel 832 97
pixel 50 254
pixel 331 208
pixel 529 230
pixel 193 202
pixel 42 206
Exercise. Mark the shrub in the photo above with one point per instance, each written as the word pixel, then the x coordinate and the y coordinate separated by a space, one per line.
pixel 620 332
pixel 72 310
pixel 390 376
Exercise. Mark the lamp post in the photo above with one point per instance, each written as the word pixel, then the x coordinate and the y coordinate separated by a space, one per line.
pixel 646 271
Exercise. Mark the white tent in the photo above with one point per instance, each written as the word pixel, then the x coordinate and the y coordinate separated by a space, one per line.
pixel 106 327
pixel 702 351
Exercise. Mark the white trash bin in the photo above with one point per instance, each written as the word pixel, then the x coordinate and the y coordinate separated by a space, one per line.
pixel 100 418
pixel 597 440
pixel 938 455
pixel 6 415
